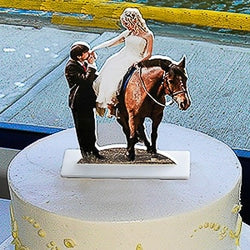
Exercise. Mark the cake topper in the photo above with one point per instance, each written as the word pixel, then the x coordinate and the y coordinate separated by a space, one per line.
pixel 132 85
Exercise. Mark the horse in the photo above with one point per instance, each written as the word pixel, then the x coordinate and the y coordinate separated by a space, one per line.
pixel 144 96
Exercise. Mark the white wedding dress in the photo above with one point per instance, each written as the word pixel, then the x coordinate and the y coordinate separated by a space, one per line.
pixel 107 84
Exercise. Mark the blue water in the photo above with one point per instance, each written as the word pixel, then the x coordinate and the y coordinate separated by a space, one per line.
pixel 237 6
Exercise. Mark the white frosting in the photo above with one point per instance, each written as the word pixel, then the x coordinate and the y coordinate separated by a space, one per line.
pixel 125 214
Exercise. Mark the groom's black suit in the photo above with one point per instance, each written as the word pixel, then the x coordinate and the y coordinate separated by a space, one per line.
pixel 82 101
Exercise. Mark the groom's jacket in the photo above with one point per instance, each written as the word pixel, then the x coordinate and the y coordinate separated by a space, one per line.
pixel 80 81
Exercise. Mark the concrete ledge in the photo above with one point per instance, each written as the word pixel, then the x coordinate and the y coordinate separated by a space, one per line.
pixel 19 136
pixel 105 14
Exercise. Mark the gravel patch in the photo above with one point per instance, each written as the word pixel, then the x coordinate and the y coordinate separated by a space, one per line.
pixel 118 156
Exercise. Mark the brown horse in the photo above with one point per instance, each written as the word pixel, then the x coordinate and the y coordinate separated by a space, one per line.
pixel 144 97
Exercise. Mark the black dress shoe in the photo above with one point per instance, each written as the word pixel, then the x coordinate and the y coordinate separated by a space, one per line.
pixel 98 156
pixel 85 154
pixel 92 153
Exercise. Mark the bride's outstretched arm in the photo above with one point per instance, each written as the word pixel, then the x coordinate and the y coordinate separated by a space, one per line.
pixel 112 42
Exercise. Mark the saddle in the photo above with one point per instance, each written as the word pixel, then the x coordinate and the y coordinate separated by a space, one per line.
pixel 127 77
pixel 164 64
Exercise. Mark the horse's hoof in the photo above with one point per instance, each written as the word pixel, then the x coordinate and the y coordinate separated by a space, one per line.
pixel 154 156
pixel 130 157
pixel 151 150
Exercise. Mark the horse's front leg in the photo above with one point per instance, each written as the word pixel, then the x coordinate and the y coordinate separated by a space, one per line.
pixel 133 124
pixel 154 134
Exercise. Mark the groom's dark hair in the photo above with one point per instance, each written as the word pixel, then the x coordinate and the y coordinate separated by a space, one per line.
pixel 77 50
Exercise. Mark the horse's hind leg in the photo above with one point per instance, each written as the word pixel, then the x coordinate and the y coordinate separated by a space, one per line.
pixel 130 141
pixel 133 125
pixel 125 128
pixel 131 148
pixel 142 136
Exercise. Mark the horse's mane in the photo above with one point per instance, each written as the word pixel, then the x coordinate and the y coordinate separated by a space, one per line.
pixel 154 61
pixel 164 62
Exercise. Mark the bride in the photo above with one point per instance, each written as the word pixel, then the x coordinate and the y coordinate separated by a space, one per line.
pixel 138 46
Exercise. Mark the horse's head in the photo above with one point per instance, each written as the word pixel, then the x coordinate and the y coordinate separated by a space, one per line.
pixel 175 84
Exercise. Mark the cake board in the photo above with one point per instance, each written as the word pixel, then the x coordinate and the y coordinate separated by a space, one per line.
pixel 178 166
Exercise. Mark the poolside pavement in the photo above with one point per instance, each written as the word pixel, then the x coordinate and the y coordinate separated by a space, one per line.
pixel 34 90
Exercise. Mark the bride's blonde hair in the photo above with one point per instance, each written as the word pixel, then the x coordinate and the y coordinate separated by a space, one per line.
pixel 133 16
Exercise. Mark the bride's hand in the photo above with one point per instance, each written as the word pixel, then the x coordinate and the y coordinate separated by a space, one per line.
pixel 93 49
pixel 92 53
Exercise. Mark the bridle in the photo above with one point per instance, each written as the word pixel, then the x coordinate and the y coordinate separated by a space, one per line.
pixel 164 80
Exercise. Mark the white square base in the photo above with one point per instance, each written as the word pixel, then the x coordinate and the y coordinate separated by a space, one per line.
pixel 180 170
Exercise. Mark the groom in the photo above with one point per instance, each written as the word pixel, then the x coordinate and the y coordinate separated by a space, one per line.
pixel 80 73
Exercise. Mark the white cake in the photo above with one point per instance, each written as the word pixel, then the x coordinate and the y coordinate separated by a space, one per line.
pixel 51 212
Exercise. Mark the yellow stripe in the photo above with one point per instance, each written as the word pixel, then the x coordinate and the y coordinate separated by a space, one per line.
pixel 27 4
pixel 234 21
pixel 105 14
pixel 106 23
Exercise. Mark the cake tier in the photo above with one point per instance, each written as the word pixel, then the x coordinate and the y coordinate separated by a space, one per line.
pixel 198 213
